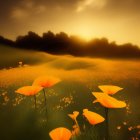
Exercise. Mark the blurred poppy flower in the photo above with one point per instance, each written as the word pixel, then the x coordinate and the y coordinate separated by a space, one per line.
pixel 108 101
pixel 74 116
pixel 75 131
pixel 110 89
pixel 46 81
pixel 60 133
pixel 92 117
pixel 29 91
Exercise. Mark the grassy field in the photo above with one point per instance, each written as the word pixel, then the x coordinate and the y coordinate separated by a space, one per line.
pixel 79 78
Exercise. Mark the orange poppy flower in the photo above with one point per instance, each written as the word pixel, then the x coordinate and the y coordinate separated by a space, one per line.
pixel 46 81
pixel 108 101
pixel 60 133
pixel 92 117
pixel 29 90
pixel 74 115
pixel 110 89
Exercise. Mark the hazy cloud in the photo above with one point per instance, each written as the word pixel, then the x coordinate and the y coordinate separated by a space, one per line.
pixel 114 19
pixel 18 13
pixel 27 8
pixel 90 4
pixel 106 5
pixel 124 7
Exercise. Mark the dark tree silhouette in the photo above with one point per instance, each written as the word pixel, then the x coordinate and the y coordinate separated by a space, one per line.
pixel 61 43
pixel 5 41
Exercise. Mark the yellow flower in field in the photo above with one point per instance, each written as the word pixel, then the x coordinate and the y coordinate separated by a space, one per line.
pixel 74 115
pixel 46 81
pixel 110 89
pixel 108 101
pixel 92 117
pixel 29 90
pixel 60 133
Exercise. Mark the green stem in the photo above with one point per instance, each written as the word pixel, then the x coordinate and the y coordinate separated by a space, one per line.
pixel 78 126
pixel 92 132
pixel 107 124
pixel 45 100
pixel 35 101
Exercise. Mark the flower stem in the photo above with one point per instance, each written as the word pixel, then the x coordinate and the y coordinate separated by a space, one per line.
pixel 78 126
pixel 107 124
pixel 92 133
pixel 35 101
pixel 45 97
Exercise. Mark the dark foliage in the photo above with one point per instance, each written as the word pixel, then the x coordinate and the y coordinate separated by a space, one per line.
pixel 61 43
pixel 6 41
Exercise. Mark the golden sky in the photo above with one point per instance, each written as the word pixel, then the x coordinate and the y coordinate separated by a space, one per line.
pixel 118 20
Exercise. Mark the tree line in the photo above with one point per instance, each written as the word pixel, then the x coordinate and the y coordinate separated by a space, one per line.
pixel 61 43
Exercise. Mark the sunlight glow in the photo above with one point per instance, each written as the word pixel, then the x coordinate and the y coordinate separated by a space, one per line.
pixel 84 32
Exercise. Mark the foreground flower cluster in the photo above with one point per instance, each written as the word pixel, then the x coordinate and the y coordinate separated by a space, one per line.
pixel 104 98
pixel 39 84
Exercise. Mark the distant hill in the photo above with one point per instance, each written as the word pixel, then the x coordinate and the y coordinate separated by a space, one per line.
pixel 10 57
